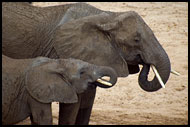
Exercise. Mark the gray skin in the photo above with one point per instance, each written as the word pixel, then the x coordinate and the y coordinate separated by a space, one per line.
pixel 30 85
pixel 118 40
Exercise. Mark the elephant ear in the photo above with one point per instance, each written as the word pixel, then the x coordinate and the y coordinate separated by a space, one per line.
pixel 48 85
pixel 84 39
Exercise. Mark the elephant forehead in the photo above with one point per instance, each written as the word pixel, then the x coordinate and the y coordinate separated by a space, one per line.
pixel 76 64
pixel 40 60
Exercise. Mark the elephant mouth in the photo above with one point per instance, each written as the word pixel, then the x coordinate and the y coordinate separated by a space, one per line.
pixel 103 83
pixel 133 65
pixel 100 82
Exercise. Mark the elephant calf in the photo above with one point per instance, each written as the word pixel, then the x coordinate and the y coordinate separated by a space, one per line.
pixel 30 85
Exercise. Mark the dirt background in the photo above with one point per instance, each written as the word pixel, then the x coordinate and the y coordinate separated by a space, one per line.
pixel 126 103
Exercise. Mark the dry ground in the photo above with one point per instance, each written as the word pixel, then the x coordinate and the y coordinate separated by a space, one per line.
pixel 127 103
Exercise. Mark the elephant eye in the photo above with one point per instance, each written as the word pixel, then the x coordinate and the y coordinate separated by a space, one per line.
pixel 82 72
pixel 137 39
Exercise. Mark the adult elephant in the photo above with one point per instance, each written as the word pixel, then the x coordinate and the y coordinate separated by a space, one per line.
pixel 118 40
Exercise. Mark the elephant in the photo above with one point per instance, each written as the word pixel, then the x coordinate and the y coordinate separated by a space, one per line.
pixel 30 85
pixel 120 40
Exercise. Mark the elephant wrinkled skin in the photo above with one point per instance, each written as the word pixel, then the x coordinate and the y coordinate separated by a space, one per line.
pixel 121 40
pixel 30 85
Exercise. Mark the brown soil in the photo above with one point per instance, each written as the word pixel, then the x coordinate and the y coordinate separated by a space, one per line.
pixel 126 103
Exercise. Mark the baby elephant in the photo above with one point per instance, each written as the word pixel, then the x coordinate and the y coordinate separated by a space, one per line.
pixel 30 85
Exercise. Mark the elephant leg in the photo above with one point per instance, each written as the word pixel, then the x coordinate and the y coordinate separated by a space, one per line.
pixel 84 113
pixel 68 112
pixel 32 120
pixel 83 116
pixel 41 112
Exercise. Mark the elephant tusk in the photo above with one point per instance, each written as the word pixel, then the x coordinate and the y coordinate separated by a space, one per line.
pixel 104 82
pixel 175 72
pixel 157 75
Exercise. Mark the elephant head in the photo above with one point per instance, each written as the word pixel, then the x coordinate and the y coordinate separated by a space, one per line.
pixel 61 80
pixel 122 41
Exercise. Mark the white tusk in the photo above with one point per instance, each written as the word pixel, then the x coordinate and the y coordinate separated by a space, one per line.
pixel 175 73
pixel 157 75
pixel 104 82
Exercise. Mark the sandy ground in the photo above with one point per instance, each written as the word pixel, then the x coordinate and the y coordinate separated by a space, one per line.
pixel 126 103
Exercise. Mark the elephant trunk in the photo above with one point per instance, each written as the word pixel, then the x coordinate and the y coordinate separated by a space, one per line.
pixel 163 67
pixel 106 71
